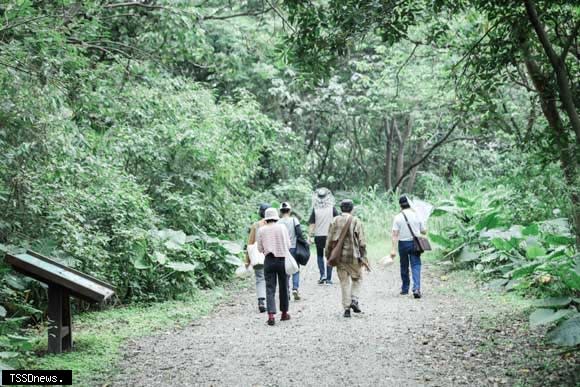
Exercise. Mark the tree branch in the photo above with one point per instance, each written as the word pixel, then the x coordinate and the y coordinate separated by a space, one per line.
pixel 427 154
pixel 569 42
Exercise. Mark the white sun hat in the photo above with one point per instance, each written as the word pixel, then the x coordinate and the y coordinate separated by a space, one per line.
pixel 271 214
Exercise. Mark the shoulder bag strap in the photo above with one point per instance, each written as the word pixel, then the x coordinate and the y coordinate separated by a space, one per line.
pixel 408 225
pixel 345 230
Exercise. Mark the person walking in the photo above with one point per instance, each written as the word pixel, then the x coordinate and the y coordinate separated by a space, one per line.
pixel 402 237
pixel 295 232
pixel 274 242
pixel 258 269
pixel 352 257
pixel 323 211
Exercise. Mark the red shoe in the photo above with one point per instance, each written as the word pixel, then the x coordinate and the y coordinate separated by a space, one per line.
pixel 285 316
pixel 271 319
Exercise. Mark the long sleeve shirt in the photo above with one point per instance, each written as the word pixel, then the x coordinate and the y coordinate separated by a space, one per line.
pixel 274 239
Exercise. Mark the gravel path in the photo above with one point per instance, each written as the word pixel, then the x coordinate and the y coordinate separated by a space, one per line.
pixel 396 341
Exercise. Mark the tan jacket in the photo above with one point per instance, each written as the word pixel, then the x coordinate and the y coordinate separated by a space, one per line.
pixel 355 243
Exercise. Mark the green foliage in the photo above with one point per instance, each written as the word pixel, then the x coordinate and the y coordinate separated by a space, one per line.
pixel 480 234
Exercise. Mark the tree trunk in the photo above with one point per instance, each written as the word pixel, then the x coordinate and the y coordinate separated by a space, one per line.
pixel 402 141
pixel 559 67
pixel 413 173
pixel 388 170
pixel 566 154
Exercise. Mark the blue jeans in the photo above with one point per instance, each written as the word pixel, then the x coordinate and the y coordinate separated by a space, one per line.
pixel 320 242
pixel 295 276
pixel 407 253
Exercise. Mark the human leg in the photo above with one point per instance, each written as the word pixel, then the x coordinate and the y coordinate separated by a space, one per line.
pixel 282 279
pixel 404 262
pixel 271 278
pixel 328 274
pixel 345 287
pixel 416 272
pixel 320 243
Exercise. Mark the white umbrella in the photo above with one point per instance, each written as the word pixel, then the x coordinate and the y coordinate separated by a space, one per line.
pixel 422 209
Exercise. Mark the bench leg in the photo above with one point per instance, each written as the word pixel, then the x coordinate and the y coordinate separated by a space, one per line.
pixel 60 320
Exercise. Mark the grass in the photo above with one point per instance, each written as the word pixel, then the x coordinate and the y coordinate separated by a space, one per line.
pixel 99 336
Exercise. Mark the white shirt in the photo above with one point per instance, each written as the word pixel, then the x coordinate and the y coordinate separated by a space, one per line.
pixel 400 225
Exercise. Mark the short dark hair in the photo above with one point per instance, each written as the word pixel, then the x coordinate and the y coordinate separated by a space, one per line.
pixel 404 202
pixel 346 205
pixel 262 209
pixel 271 221
pixel 285 210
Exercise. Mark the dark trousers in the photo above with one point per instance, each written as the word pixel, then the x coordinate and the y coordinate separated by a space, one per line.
pixel 320 242
pixel 275 272
pixel 408 255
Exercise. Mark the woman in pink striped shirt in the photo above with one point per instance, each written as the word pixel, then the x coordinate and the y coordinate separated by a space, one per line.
pixel 274 242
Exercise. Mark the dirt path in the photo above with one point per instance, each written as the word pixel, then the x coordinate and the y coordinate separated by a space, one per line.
pixel 396 341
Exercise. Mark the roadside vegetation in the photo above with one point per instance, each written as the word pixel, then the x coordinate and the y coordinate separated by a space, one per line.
pixel 138 138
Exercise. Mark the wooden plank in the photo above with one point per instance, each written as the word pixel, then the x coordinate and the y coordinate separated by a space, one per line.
pixel 45 270
pixel 79 273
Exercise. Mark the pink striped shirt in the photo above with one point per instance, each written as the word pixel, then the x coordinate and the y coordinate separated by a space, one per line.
pixel 273 238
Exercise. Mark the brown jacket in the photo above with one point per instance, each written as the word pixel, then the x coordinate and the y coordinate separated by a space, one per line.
pixel 355 244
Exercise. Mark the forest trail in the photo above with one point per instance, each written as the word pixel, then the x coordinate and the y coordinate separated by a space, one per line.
pixel 396 341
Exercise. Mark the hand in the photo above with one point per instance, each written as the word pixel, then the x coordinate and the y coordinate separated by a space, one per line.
pixel 247 263
pixel 393 254
pixel 366 264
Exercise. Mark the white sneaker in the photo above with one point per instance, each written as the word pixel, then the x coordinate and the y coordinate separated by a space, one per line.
pixel 296 294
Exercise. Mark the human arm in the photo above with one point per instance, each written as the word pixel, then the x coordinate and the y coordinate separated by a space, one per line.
pixel 328 246
pixel 394 243
pixel 311 225
pixel 423 228
pixel 362 245
pixel 251 241
pixel 260 241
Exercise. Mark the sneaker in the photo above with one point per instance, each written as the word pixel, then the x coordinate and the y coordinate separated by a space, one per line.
pixel 354 307
pixel 321 281
pixel 261 306
pixel 329 282
pixel 285 316
pixel 271 319
pixel 347 312
pixel 296 294
pixel 403 293
pixel 417 294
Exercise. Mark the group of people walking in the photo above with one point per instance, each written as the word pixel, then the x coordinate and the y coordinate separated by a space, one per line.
pixel 340 242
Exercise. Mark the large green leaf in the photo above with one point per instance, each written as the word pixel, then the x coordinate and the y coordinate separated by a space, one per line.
pixel 554 302
pixel 558 240
pixel 233 260
pixel 533 252
pixel 444 210
pixel 567 333
pixel 160 257
pixel 440 240
pixel 531 230
pixel 141 262
pixel 467 254
pixel 547 316
pixel 489 221
pixel 182 266
pixel 523 270
pixel 464 202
